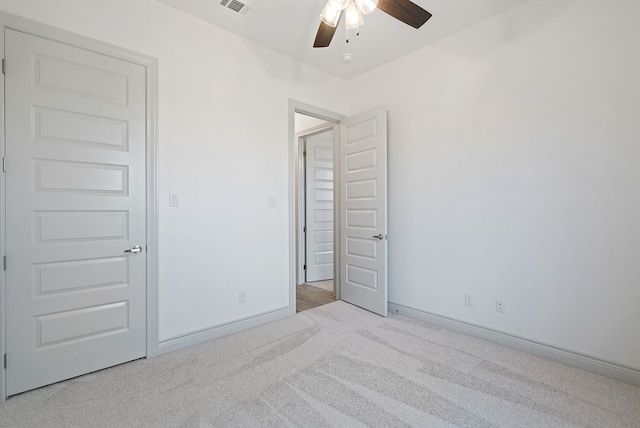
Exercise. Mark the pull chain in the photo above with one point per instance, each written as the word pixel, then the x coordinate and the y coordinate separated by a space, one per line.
pixel 357 33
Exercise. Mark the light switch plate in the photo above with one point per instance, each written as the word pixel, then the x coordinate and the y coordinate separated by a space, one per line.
pixel 174 199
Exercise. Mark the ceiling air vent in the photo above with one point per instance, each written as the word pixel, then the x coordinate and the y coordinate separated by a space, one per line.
pixel 235 6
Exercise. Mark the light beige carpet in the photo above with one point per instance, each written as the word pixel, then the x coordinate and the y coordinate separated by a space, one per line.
pixel 335 365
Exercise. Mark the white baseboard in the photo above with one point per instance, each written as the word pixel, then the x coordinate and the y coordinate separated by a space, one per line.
pixel 606 368
pixel 204 335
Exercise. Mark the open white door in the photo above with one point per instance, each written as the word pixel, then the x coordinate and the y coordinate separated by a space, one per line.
pixel 319 210
pixel 363 206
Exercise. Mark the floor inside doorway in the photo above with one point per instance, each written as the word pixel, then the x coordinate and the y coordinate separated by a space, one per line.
pixel 309 296
pixel 325 285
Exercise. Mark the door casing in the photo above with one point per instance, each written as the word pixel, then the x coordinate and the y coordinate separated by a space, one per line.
pixel 151 67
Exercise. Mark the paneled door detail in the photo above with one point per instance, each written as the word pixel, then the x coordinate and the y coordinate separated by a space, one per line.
pixel 319 208
pixel 75 135
pixel 363 206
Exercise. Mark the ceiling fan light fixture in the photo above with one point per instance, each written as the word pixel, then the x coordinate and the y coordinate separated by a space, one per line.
pixel 330 14
pixel 353 16
pixel 367 6
pixel 404 11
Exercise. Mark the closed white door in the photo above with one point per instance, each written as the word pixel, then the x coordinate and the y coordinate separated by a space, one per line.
pixel 319 208
pixel 363 163
pixel 75 186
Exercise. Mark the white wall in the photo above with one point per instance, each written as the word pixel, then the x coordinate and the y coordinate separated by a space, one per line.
pixel 223 146
pixel 514 149
pixel 514 173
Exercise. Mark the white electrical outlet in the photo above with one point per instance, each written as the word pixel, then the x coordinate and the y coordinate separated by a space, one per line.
pixel 468 299
pixel 242 297
pixel 174 199
pixel 500 306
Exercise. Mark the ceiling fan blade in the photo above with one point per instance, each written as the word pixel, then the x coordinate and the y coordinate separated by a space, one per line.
pixel 405 11
pixel 324 35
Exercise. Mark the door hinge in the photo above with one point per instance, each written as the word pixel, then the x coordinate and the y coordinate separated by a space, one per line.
pixel 4 66
pixel 4 164
pixel 4 262
pixel 5 361
pixel 304 267
pixel 304 229
pixel 303 153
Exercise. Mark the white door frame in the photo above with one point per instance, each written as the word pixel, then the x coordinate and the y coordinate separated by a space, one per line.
pixel 151 66
pixel 294 199
pixel 300 183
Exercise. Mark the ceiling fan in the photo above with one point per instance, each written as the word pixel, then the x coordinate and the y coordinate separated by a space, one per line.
pixel 403 10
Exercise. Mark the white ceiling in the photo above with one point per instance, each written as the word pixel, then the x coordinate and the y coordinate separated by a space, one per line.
pixel 289 27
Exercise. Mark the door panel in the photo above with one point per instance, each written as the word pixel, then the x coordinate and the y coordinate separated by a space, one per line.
pixel 363 205
pixel 319 209
pixel 75 132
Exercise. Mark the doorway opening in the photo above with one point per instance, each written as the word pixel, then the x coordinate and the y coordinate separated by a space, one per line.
pixel 315 284
pixel 359 206
pixel 314 138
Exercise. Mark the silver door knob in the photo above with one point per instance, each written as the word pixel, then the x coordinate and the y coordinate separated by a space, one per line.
pixel 380 237
pixel 135 250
